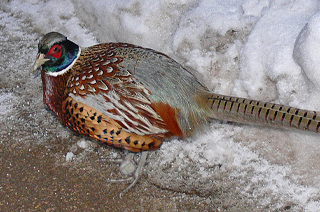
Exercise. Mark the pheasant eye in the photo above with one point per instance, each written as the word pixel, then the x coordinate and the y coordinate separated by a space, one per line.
pixel 55 51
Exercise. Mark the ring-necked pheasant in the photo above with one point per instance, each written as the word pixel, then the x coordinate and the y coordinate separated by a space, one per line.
pixel 133 97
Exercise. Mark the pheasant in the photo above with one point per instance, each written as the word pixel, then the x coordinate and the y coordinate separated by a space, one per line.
pixel 133 98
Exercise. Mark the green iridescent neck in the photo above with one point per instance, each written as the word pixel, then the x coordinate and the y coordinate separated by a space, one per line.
pixel 66 63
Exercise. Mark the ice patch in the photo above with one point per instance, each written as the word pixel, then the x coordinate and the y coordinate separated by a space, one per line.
pixel 5 103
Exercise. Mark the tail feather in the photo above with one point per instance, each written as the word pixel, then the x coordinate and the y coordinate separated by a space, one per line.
pixel 256 112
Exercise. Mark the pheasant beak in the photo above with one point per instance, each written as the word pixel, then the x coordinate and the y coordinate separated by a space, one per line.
pixel 40 61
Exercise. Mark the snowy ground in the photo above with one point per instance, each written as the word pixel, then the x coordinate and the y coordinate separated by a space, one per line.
pixel 264 50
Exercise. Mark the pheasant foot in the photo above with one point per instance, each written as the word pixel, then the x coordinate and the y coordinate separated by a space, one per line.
pixel 130 168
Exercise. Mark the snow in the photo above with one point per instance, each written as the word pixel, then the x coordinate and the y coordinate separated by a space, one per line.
pixel 260 49
pixel 5 103
pixel 267 55
pixel 306 50
pixel 82 144
pixel 69 156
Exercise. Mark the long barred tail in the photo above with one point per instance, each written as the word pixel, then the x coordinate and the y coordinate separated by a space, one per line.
pixel 256 112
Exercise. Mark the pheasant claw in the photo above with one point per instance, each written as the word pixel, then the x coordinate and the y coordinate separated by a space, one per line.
pixel 128 167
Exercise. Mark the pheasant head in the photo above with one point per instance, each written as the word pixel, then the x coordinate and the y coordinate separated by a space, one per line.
pixel 56 54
